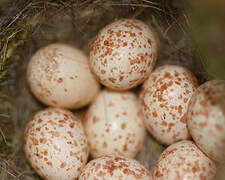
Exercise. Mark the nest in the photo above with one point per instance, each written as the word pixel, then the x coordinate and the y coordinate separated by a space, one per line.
pixel 27 25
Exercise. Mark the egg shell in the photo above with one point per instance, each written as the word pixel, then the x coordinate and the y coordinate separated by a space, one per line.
pixel 183 161
pixel 114 124
pixel 206 119
pixel 59 76
pixel 114 168
pixel 164 99
pixel 123 54
pixel 55 144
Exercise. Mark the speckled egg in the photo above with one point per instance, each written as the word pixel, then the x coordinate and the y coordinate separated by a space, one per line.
pixel 114 168
pixel 114 124
pixel 123 54
pixel 55 144
pixel 164 100
pixel 206 119
pixel 59 76
pixel 184 161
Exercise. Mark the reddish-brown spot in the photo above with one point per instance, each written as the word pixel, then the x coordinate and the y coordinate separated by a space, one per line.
pixel 155 114
pixel 164 123
pixel 123 126
pixel 185 100
pixel 45 152
pixel 124 44
pixel 118 33
pixel 170 127
pixel 121 78
pixel 72 125
pixel 95 119
pixel 125 148
pixel 168 75
pixel 218 127
pixel 63 164
pixel 176 74
pixel 54 102
pixel 203 124
pixel 54 133
pixel 103 71
pixel 187 91
pixel 132 34
pixel 204 102
pixel 60 80
pixel 35 141
pixel 112 79
pixel 124 113
pixel 180 109
pixel 196 167
pixel 150 42
pixel 184 118
pixel 50 164
pixel 62 121
pixel 40 121
pixel 106 43
pixel 70 133
pixel 100 174
pixel 43 140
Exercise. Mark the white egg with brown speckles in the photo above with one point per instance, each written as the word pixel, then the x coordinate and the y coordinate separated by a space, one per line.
pixel 114 124
pixel 183 161
pixel 59 76
pixel 55 144
pixel 115 168
pixel 164 100
pixel 123 54
pixel 206 119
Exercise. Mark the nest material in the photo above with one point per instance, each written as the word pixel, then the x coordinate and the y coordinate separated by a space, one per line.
pixel 27 25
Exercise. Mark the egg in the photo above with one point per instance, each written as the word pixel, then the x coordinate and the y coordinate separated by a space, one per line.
pixel 59 76
pixel 114 124
pixel 183 161
pixel 206 119
pixel 123 54
pixel 164 99
pixel 114 168
pixel 55 144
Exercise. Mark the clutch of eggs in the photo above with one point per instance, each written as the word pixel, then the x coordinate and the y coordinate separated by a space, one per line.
pixel 123 54
pixel 59 76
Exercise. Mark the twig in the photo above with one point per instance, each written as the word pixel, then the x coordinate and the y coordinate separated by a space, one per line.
pixel 9 172
pixel 135 5
pixel 3 136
